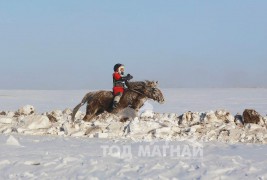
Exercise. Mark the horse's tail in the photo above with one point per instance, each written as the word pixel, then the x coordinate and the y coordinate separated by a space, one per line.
pixel 86 98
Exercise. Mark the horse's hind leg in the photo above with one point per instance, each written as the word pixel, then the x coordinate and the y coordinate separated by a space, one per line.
pixel 89 117
pixel 100 111
pixel 90 113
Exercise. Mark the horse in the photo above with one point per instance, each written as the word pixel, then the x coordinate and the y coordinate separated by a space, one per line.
pixel 134 97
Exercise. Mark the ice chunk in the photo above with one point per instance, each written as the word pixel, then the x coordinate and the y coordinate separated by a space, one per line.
pixel 5 120
pixel 26 110
pixel 12 141
pixel 147 114
pixel 37 122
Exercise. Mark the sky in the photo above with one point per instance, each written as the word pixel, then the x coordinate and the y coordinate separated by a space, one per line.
pixel 68 44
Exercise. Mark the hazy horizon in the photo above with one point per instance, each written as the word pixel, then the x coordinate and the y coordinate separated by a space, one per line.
pixel 182 44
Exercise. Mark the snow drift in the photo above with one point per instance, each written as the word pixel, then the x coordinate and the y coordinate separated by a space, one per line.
pixel 217 125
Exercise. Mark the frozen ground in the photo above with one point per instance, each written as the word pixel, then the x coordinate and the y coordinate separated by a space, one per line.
pixel 57 154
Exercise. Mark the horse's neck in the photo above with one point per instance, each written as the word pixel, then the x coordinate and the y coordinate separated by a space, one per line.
pixel 133 94
pixel 137 99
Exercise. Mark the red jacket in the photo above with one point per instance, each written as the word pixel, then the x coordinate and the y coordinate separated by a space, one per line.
pixel 117 84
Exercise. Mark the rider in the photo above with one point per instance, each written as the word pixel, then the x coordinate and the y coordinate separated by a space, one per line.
pixel 119 80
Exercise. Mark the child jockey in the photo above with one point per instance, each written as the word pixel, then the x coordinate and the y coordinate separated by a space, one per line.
pixel 119 83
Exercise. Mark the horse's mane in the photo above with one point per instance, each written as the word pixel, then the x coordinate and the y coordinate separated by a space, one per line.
pixel 137 85
pixel 141 85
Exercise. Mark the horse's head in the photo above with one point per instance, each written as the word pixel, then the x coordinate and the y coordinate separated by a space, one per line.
pixel 153 92
pixel 147 88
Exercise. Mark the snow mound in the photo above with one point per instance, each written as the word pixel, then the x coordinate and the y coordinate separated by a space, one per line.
pixel 219 125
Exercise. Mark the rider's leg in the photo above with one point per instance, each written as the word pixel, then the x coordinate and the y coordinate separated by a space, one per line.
pixel 116 100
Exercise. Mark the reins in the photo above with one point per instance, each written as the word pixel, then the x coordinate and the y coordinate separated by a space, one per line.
pixel 137 92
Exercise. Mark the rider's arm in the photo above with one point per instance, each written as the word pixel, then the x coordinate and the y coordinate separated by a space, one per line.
pixel 127 78
pixel 118 77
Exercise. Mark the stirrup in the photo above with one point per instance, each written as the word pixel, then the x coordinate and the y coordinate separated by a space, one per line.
pixel 115 105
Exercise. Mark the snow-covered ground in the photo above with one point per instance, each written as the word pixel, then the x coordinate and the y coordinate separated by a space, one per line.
pixel 109 149
pixel 44 157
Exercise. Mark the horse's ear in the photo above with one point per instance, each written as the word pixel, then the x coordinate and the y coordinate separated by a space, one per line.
pixel 154 83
